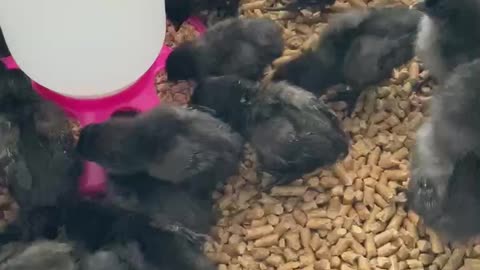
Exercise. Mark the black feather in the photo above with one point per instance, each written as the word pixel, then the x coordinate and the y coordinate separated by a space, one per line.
pixel 42 170
pixel 444 140
pixel 173 144
pixel 167 206
pixel 243 47
pixel 292 131
pixel 359 48
pixel 446 39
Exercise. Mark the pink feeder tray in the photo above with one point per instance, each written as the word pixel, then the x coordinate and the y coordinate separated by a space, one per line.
pixel 139 97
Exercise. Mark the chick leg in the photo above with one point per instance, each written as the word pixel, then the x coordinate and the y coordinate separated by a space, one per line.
pixel 418 86
pixel 431 170
pixel 267 181
pixel 278 180
pixel 195 238
pixel 177 228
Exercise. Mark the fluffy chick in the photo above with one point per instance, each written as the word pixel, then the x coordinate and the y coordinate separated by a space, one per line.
pixel 167 250
pixel 156 251
pixel 53 255
pixel 119 255
pixel 359 48
pixel 455 218
pixel 45 169
pixel 49 156
pixel 166 205
pixel 292 131
pixel 100 238
pixel 302 4
pixel 244 47
pixel 174 144
pixel 446 35
pixel 451 132
pixel 111 236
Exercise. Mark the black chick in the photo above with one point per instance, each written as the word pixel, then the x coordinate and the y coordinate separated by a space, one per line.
pixel 174 144
pixel 53 168
pixel 166 205
pixel 451 132
pixel 45 169
pixel 48 149
pixel 55 255
pixel 456 217
pixel 359 48
pixel 139 248
pixel 243 47
pixel 98 238
pixel 302 4
pixel 166 250
pixel 109 236
pixel 445 39
pixel 292 131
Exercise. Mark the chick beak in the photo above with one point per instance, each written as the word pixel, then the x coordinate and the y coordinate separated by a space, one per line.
pixel 420 5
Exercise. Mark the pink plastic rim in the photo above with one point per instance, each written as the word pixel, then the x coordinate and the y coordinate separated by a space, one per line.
pixel 82 104
pixel 108 101
pixel 73 104
pixel 197 23
pixel 9 62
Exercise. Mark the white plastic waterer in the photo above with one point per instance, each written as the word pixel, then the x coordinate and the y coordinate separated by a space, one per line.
pixel 91 57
